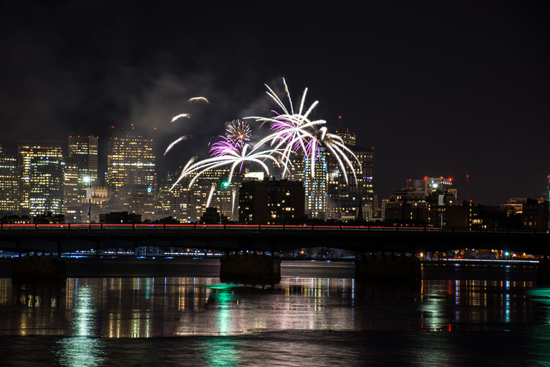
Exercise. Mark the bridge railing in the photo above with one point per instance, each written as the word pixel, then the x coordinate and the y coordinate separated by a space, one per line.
pixel 144 227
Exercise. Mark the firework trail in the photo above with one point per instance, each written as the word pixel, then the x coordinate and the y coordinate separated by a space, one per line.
pixel 182 175
pixel 295 132
pixel 181 115
pixel 233 197
pixel 198 99
pixel 232 157
pixel 238 131
pixel 172 144
pixel 212 189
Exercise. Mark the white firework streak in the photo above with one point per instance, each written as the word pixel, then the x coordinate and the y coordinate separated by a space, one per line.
pixel 233 158
pixel 183 174
pixel 296 131
pixel 210 196
pixel 198 99
pixel 335 144
pixel 172 144
pixel 289 138
pixel 181 115
pixel 233 196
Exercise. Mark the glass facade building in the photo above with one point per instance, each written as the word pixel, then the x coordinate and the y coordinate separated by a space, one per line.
pixel 9 185
pixel 41 178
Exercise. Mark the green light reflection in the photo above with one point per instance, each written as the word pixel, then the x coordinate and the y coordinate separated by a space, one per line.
pixel 223 351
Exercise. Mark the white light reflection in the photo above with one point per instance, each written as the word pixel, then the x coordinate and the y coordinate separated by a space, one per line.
pixel 82 349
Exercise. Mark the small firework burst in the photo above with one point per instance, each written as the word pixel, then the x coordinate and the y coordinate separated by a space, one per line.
pixel 238 131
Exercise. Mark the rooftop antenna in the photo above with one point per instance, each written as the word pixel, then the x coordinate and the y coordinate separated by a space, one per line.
pixel 468 186
pixel 340 123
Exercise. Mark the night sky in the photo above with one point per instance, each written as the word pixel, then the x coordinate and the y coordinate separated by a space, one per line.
pixel 442 88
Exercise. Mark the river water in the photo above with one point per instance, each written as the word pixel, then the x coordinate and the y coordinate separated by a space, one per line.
pixel 176 312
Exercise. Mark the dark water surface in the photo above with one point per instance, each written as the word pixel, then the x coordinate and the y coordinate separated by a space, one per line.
pixel 178 313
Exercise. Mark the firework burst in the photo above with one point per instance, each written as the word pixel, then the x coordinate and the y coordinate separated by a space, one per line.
pixel 292 131
pixel 295 132
pixel 238 131
pixel 234 157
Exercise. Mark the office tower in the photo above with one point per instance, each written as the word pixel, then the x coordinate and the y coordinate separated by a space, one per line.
pixel 130 161
pixel 131 176
pixel 9 184
pixel 84 151
pixel 37 158
pixel 213 185
pixel 271 202
pixel 420 202
pixel 347 137
pixel 347 201
pixel 315 182
pixel 81 173
pixel 46 186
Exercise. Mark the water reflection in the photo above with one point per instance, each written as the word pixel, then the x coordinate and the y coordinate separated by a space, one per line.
pixel 83 349
pixel 88 308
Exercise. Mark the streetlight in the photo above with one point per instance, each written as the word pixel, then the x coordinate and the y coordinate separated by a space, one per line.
pixel 88 180
pixel 222 185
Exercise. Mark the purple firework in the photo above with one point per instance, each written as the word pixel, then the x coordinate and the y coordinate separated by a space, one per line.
pixel 223 147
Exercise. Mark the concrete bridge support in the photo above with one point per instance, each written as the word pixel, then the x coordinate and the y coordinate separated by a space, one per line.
pixel 38 266
pixel 250 266
pixel 543 271
pixel 387 267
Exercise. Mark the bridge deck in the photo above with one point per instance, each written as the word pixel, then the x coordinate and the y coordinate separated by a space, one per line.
pixel 72 237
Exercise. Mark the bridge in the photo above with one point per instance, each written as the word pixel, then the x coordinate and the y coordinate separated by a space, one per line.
pixel 61 238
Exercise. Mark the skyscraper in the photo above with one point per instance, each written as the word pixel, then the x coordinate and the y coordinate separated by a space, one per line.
pixel 41 173
pixel 131 176
pixel 9 184
pixel 84 151
pixel 346 198
pixel 46 186
pixel 315 182
pixel 130 161
pixel 81 173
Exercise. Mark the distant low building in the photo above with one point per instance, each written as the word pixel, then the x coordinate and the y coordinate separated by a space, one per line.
pixel 120 217
pixel 420 202
pixel 211 216
pixel 15 219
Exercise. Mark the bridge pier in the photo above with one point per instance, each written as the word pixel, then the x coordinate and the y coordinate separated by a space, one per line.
pixel 38 266
pixel 387 267
pixel 543 271
pixel 250 266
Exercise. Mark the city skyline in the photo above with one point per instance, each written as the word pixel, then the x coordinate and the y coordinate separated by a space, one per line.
pixel 132 184
pixel 435 88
